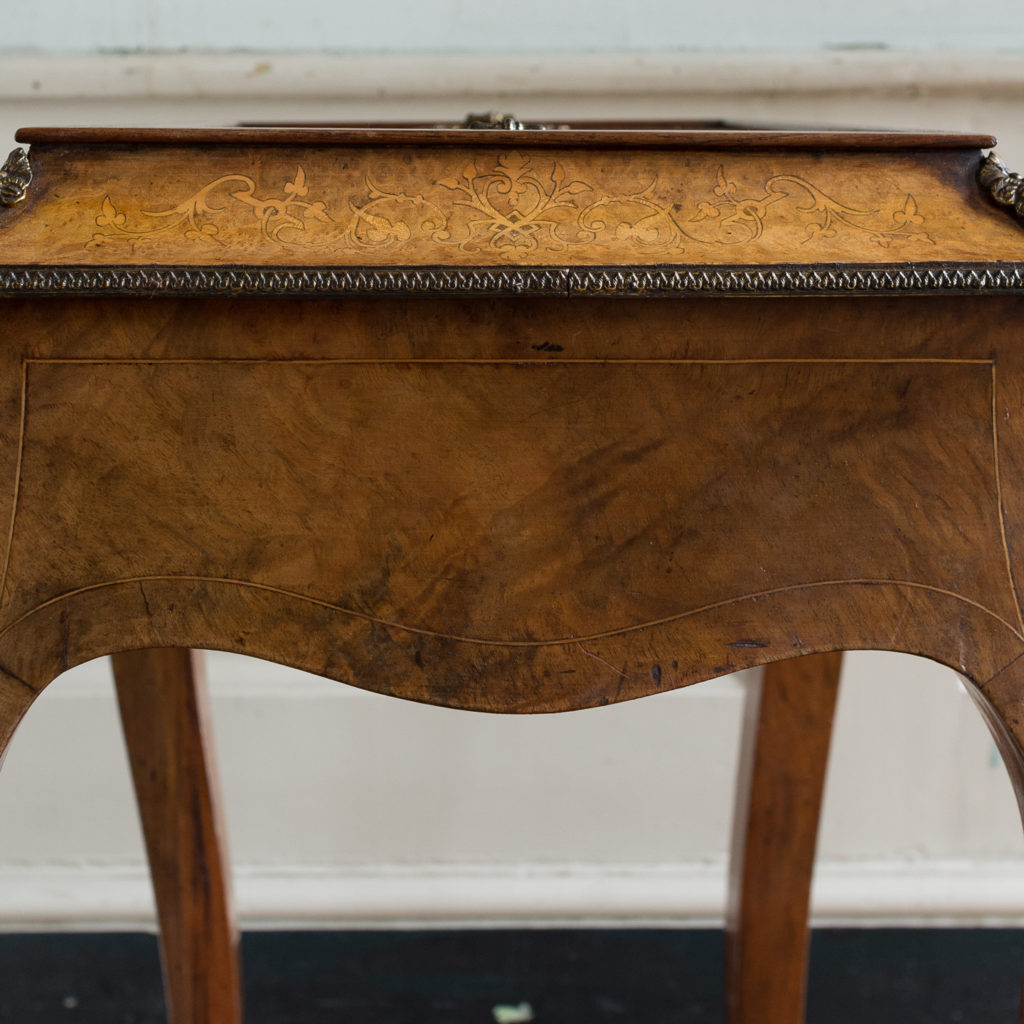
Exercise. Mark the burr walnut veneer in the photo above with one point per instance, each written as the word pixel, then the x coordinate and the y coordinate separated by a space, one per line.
pixel 515 421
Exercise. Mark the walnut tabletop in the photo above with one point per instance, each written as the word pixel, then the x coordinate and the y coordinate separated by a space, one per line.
pixel 518 420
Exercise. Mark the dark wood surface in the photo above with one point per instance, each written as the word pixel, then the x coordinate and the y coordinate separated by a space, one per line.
pixel 725 138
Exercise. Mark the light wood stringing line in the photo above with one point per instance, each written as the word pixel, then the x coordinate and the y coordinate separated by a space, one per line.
pixel 17 481
pixel 489 642
pixel 999 501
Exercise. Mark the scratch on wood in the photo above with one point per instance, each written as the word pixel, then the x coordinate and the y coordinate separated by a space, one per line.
pixel 897 626
pixel 145 600
pixel 21 682
pixel 597 657
pixel 988 682
pixel 65 629
pixel 749 643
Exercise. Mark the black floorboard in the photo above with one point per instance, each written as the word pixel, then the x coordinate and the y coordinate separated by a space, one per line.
pixel 897 976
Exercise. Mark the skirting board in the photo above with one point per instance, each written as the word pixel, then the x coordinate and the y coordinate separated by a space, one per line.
pixel 865 894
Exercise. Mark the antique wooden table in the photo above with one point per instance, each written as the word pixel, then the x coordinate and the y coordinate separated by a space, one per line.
pixel 511 420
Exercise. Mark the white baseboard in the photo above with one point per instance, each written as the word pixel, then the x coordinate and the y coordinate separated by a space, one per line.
pixel 90 897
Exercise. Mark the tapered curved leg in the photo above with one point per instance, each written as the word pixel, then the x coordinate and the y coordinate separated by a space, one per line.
pixel 1001 703
pixel 786 736
pixel 163 711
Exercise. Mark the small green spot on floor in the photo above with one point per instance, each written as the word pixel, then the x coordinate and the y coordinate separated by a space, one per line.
pixel 521 1013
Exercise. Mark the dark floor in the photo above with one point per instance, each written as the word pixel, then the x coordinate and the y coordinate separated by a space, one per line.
pixel 509 977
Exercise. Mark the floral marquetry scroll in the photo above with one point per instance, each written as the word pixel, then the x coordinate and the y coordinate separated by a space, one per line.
pixel 492 206
pixel 518 204
pixel 196 217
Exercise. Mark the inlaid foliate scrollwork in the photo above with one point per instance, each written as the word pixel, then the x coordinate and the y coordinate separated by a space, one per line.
pixel 517 205
pixel 279 217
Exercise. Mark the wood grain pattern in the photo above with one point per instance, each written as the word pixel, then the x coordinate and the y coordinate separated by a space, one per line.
pixel 162 698
pixel 784 752
pixel 480 508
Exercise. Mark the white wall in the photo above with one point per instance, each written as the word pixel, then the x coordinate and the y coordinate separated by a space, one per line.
pixel 528 26
pixel 346 807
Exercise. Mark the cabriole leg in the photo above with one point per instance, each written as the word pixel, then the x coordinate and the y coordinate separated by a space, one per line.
pixel 1001 703
pixel 162 697
pixel 786 735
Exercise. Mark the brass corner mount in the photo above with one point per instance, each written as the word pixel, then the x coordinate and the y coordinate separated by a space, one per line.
pixel 15 177
pixel 1003 186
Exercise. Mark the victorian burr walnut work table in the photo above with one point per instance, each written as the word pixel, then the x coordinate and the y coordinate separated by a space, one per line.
pixel 516 421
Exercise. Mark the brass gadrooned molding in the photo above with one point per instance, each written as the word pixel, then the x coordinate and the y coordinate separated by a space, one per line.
pixel 15 177
pixel 903 278
pixel 1002 185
